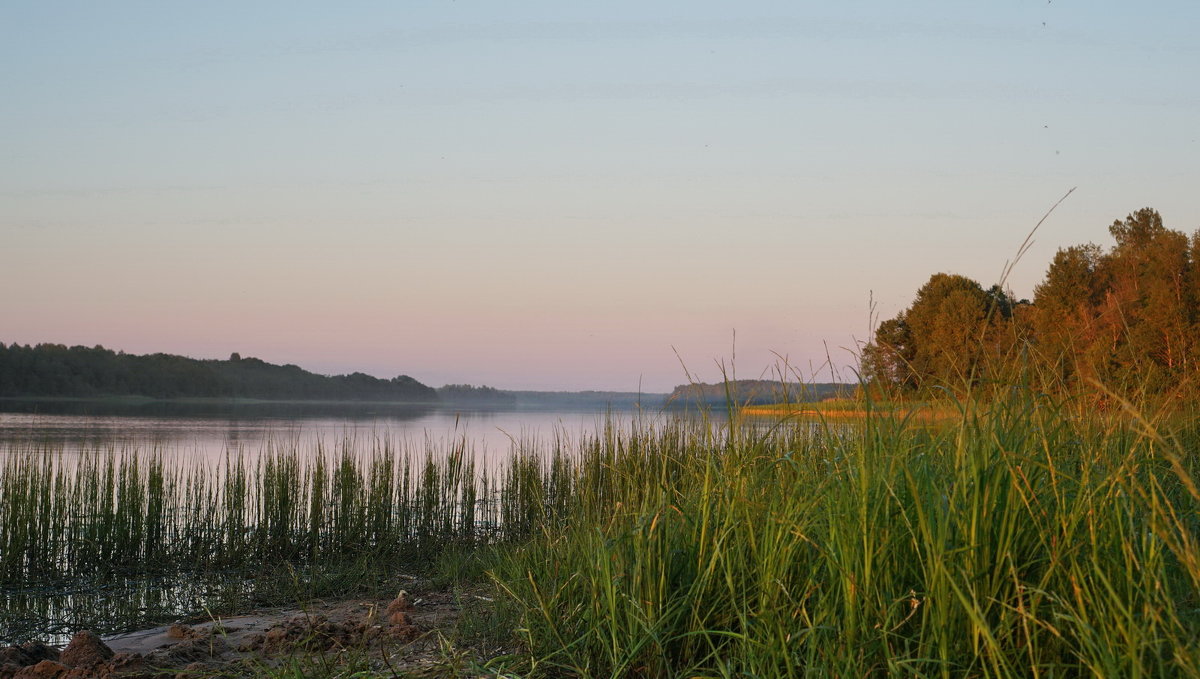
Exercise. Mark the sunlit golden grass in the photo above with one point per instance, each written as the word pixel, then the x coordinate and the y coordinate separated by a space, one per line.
pixel 853 409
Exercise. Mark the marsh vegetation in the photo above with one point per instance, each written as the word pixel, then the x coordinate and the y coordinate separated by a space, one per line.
pixel 1026 537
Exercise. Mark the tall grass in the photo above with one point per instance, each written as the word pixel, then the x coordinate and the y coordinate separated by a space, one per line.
pixel 1020 540
pixel 129 513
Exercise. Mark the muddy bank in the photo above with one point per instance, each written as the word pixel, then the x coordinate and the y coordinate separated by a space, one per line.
pixel 389 635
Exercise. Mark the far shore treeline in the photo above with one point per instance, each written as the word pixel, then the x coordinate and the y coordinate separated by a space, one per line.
pixel 1125 320
pixel 54 370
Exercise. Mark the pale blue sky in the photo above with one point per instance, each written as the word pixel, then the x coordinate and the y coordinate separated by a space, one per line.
pixel 553 195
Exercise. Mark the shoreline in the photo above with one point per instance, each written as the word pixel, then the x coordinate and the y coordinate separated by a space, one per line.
pixel 412 632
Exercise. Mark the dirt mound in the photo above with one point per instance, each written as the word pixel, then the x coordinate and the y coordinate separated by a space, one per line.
pixel 86 657
pixel 181 631
pixel 85 650
pixel 29 653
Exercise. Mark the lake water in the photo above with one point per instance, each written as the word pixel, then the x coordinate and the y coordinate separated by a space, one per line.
pixel 208 431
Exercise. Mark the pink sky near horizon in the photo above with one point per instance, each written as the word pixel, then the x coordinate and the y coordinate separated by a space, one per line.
pixel 553 196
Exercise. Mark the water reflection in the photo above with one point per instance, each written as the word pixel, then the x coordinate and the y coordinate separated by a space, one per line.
pixel 209 430
pixel 110 606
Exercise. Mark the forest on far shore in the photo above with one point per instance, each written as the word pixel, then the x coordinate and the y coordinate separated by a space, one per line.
pixel 56 370
pixel 1124 319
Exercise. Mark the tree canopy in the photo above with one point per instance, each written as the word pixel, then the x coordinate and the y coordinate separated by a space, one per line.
pixel 1127 318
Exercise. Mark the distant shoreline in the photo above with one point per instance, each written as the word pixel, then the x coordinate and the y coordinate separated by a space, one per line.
pixel 217 406
pixel 206 400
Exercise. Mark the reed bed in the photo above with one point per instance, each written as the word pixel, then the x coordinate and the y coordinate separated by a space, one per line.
pixel 1020 540
pixel 67 516
pixel 117 539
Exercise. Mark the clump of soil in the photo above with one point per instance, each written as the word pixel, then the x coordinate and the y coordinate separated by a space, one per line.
pixel 85 657
pixel 30 653
pixel 85 650
pixel 397 631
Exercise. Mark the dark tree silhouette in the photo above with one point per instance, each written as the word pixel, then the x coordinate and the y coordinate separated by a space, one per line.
pixel 57 370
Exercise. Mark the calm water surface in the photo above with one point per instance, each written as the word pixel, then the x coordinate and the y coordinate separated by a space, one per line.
pixel 201 432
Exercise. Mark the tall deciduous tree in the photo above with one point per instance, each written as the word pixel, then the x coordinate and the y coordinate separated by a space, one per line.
pixel 943 338
pixel 1065 306
pixel 1148 310
pixel 887 360
pixel 1128 318
pixel 946 321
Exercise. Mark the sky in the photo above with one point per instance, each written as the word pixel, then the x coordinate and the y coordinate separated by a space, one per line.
pixel 550 195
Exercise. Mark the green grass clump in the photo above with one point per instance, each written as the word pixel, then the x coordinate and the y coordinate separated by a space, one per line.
pixel 1014 542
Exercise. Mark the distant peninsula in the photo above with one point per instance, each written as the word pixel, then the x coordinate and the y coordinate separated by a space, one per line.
pixel 757 392
pixel 55 370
